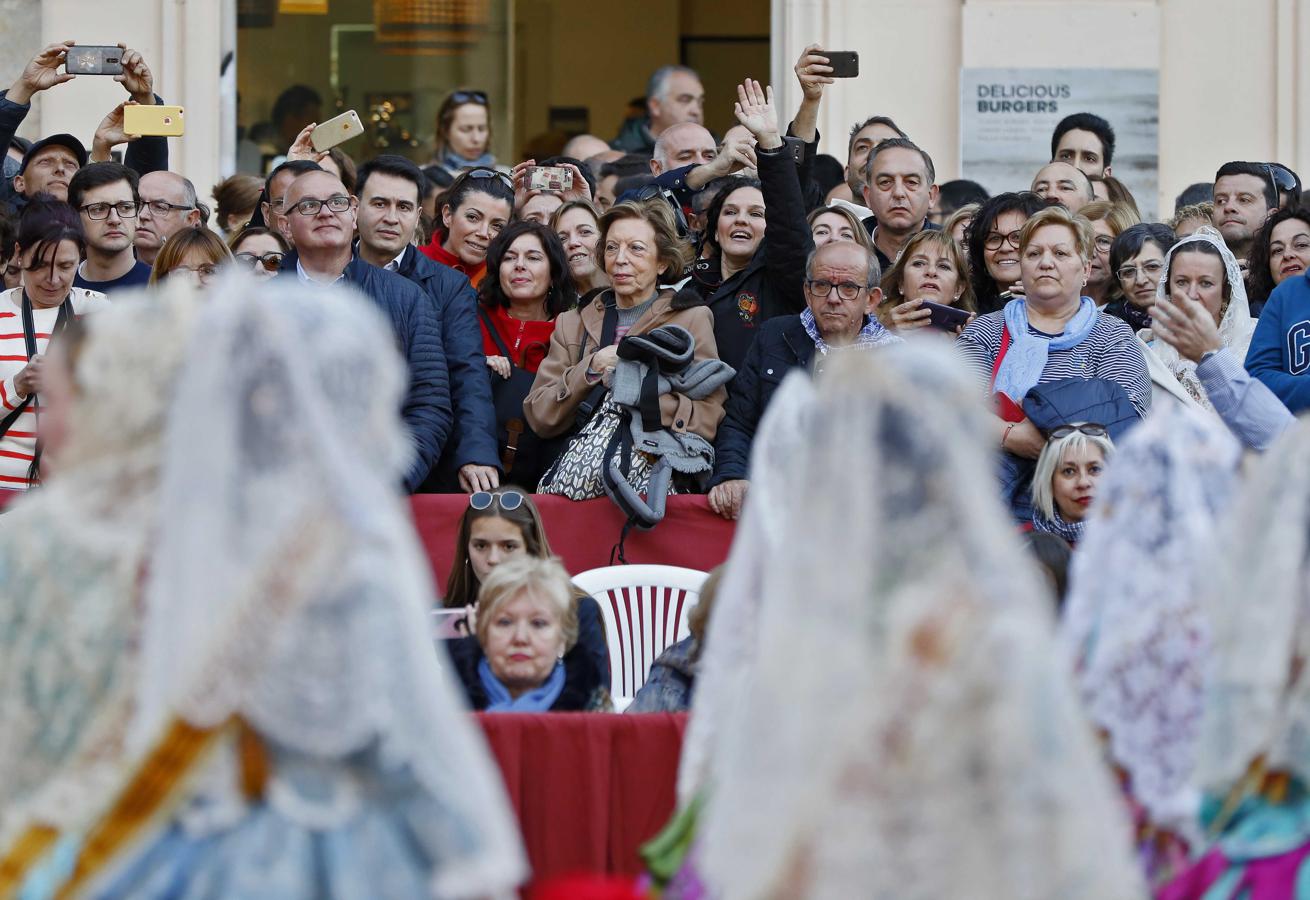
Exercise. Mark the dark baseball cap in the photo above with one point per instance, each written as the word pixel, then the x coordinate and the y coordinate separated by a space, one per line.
pixel 55 140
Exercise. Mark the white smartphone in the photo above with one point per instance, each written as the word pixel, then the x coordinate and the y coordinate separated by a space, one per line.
pixel 336 130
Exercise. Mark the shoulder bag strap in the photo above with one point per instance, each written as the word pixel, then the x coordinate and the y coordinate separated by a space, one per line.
pixel 29 341
pixel 496 339
pixel 608 329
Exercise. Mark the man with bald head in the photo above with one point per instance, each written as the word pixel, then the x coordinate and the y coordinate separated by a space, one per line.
pixel 1065 184
pixel 841 296
pixel 318 218
pixel 584 146
pixel 168 205
pixel 684 144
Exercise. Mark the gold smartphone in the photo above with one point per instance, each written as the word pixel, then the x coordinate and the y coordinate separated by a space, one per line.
pixel 155 121
pixel 336 130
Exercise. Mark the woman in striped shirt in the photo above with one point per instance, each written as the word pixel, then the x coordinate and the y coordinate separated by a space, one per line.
pixel 50 246
pixel 1052 333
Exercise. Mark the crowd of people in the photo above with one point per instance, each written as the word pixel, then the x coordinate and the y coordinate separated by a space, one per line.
pixel 998 437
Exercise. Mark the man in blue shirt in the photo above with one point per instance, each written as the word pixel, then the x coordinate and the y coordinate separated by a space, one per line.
pixel 105 197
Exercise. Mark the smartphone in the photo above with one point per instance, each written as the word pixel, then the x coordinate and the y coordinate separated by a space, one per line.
pixel 797 148
pixel 549 178
pixel 93 60
pixel 164 121
pixel 336 130
pixel 947 318
pixel 845 63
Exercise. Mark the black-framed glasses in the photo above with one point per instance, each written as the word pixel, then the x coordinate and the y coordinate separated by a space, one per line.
pixel 1150 269
pixel 1091 429
pixel 337 203
pixel 846 290
pixel 126 209
pixel 163 207
pixel 271 261
pixel 508 500
pixel 995 240
pixel 469 97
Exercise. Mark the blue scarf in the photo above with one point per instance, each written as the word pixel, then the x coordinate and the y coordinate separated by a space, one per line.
pixel 539 700
pixel 1026 358
pixel 453 162
pixel 871 335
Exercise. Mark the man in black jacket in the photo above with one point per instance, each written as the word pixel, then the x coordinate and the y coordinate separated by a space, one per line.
pixel 390 190
pixel 319 221
pixel 841 294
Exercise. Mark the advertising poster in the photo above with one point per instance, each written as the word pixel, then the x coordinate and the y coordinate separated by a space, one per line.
pixel 1007 117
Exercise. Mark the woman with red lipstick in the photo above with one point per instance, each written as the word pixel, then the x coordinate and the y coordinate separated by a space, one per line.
pixel 931 267
pixel 1064 484
pixel 1281 249
pixel 475 209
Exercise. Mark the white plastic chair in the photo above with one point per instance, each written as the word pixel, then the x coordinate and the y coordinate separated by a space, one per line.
pixel 645 610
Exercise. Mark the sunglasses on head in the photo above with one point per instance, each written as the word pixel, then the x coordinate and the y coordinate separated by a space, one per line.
pixel 469 97
pixel 509 500
pixel 1088 428
pixel 1282 177
pixel 484 172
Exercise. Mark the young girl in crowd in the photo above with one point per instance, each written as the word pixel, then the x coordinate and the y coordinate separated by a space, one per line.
pixel 463 132
pixel 475 209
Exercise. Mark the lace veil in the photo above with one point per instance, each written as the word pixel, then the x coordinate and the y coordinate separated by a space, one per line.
pixel 1133 620
pixel 71 556
pixel 908 728
pixel 730 640
pixel 288 586
pixel 1235 328
pixel 1256 596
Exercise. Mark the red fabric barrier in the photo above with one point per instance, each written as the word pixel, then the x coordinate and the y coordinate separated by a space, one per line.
pixel 583 533
pixel 589 789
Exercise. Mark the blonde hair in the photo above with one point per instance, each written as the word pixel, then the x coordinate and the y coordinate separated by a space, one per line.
pixel 1052 455
pixel 1119 217
pixel 964 213
pixel 1081 229
pixel 1203 211
pixel 861 233
pixel 891 280
pixel 544 578
pixel 175 249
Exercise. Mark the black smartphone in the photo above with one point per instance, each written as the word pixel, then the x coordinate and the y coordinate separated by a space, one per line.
pixel 797 148
pixel 947 318
pixel 93 60
pixel 845 63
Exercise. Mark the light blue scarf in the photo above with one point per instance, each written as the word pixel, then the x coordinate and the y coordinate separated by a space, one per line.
pixel 1026 357
pixel 454 163
pixel 539 700
pixel 871 335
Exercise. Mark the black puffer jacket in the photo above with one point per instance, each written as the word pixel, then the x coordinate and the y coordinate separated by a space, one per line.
pixel 772 284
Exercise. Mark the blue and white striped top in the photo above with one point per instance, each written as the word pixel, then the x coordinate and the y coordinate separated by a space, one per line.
pixel 1110 351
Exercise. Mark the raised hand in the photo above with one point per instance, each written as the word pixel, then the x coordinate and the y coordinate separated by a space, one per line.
pixel 303 147
pixel 755 111
pixel 812 72
pixel 41 73
pixel 110 133
pixel 136 77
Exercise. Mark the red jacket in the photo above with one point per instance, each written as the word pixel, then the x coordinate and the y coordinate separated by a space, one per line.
pixel 528 342
pixel 434 251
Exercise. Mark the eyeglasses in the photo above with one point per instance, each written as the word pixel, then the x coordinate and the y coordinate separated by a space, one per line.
pixel 126 209
pixel 1151 270
pixel 206 271
pixel 469 97
pixel 310 206
pixel 509 500
pixel 996 240
pixel 270 261
pixel 163 207
pixel 484 172
pixel 1088 428
pixel 846 290
pixel 1104 242
pixel 1282 177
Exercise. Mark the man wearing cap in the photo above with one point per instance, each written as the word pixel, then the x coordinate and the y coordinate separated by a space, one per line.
pixel 50 163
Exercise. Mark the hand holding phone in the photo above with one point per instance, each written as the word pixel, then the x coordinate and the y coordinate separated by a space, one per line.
pixel 947 318
pixel 336 130
pixel 550 178
pixel 844 63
